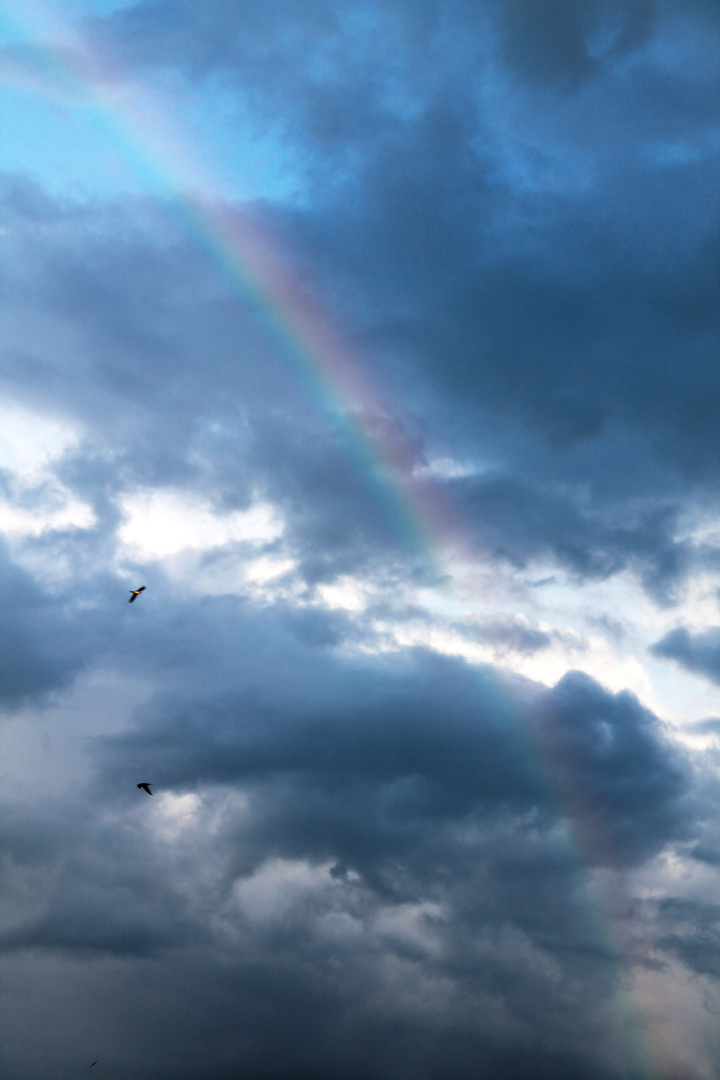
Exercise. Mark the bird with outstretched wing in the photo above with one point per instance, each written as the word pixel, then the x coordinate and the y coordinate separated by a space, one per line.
pixel 135 593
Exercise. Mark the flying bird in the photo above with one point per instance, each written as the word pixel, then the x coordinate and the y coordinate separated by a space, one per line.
pixel 146 787
pixel 135 593
pixel 94 1063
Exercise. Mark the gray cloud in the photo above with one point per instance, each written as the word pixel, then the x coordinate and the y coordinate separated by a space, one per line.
pixel 566 43
pixel 139 358
pixel 423 756
pixel 692 932
pixel 696 652
pixel 38 654
pixel 512 633
pixel 517 521
pixel 365 861
pixel 706 727
pixel 612 763
pixel 403 784
pixel 551 340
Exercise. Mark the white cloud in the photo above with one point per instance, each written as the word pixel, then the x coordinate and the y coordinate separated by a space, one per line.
pixel 346 593
pixel 37 501
pixel 278 886
pixel 29 441
pixel 48 516
pixel 173 814
pixel 163 522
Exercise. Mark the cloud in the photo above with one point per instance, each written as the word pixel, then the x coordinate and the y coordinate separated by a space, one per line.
pixel 372 843
pixel 422 755
pixel 568 42
pixel 609 755
pixel 515 634
pixel 709 726
pixel 573 42
pixel 551 341
pixel 102 894
pixel 565 322
pixel 519 521
pixel 311 475
pixel 39 654
pixel 692 932
pixel 365 859
pixel 696 652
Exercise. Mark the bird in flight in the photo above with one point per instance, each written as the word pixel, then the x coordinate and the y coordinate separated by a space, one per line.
pixel 135 593
pixel 146 787
pixel 94 1063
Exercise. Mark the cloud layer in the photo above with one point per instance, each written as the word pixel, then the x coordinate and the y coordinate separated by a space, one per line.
pixel 424 676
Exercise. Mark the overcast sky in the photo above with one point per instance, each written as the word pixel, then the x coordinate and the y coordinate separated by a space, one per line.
pixel 379 341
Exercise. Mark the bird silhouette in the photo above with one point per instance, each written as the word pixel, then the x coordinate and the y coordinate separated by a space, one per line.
pixel 94 1063
pixel 146 786
pixel 136 593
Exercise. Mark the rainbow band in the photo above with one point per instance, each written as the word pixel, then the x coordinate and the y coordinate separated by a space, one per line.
pixel 252 261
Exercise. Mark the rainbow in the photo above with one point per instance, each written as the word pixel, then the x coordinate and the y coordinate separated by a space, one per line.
pixel 253 262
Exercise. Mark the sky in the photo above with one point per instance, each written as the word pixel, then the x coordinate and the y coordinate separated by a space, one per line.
pixel 379 342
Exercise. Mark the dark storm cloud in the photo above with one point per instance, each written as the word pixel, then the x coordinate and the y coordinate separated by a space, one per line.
pixel 382 770
pixel 279 1028
pixel 563 42
pixel 185 387
pixel 403 781
pixel 38 654
pixel 695 652
pixel 147 307
pixel 80 618
pixel 84 919
pixel 690 930
pixel 339 517
pixel 573 41
pixel 216 433
pixel 519 521
pixel 575 337
pixel 550 318
pixel 105 888
pixel 557 350
pixel 51 636
pixel 361 761
pixel 514 221
pixel 570 316
pixel 611 757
